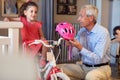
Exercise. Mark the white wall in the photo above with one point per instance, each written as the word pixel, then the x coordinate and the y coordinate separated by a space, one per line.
pixel 115 13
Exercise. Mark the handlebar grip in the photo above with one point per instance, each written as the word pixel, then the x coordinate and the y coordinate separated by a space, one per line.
pixel 40 41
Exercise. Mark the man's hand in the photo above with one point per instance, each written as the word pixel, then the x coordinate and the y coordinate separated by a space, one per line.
pixel 67 43
pixel 76 44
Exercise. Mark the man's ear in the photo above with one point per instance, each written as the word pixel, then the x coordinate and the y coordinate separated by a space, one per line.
pixel 91 18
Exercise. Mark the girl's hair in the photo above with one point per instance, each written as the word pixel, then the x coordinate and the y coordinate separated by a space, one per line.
pixel 91 11
pixel 25 6
pixel 115 29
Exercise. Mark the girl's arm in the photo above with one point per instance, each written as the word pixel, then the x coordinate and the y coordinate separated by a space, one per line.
pixel 41 34
pixel 11 19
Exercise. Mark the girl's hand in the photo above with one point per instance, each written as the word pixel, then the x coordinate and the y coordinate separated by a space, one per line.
pixel 6 19
pixel 43 38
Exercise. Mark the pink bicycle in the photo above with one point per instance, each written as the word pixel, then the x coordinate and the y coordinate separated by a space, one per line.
pixel 51 71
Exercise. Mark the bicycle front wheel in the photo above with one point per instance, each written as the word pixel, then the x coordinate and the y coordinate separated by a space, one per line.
pixel 62 76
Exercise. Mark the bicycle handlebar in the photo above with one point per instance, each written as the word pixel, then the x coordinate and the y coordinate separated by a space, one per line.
pixel 57 43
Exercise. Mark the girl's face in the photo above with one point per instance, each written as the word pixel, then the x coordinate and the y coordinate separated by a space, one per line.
pixel 31 13
pixel 118 34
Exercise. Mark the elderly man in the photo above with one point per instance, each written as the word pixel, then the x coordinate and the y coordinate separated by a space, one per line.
pixel 92 43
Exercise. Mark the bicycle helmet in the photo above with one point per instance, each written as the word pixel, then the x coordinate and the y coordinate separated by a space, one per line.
pixel 66 30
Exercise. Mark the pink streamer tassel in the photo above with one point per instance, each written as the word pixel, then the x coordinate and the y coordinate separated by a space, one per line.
pixel 69 52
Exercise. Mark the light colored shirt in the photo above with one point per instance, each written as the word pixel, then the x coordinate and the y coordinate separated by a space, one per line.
pixel 96 45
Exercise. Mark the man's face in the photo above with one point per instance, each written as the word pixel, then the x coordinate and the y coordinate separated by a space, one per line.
pixel 83 18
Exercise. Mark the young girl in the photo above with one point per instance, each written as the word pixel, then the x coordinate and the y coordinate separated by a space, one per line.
pixel 32 30
pixel 116 33
pixel 115 45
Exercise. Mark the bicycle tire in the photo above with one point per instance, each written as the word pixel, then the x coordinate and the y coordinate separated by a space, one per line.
pixel 62 76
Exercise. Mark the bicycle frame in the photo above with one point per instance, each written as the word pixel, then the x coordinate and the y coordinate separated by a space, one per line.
pixel 50 69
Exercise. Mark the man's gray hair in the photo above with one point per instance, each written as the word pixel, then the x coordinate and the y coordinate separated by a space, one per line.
pixel 91 11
